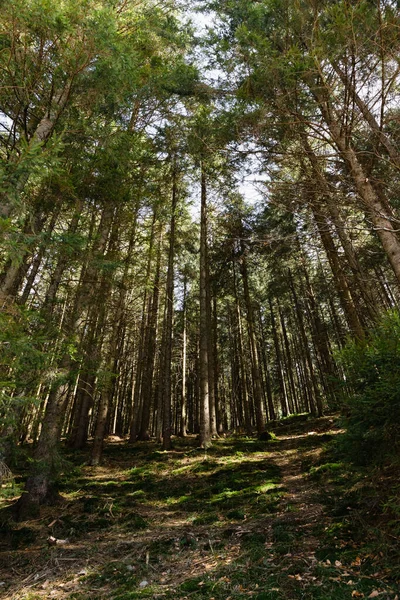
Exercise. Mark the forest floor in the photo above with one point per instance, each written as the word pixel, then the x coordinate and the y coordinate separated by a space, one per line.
pixel 246 519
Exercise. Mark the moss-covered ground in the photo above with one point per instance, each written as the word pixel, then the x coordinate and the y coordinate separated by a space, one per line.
pixel 247 519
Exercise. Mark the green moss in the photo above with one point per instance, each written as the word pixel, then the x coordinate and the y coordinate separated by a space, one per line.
pixel 206 519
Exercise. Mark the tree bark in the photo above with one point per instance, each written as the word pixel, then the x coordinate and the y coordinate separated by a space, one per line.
pixel 184 419
pixel 150 351
pixel 282 390
pixel 377 212
pixel 255 361
pixel 339 278
pixel 205 430
pixel 167 429
pixel 318 407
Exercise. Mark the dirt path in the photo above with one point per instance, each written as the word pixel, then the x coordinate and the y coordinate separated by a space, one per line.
pixel 299 508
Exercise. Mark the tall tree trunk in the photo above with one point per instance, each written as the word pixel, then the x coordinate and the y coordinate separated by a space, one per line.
pixel 150 351
pixel 62 261
pixel 106 390
pixel 97 314
pixel 289 360
pixel 243 386
pixel 267 375
pixel 184 420
pixel 205 430
pixel 214 325
pixel 321 341
pixel 40 485
pixel 166 433
pixel 37 260
pixel 282 390
pixel 255 361
pixel 339 277
pixel 318 408
pixel 14 271
pixel 368 115
pixel 211 361
pixel 330 207
pixel 137 397
pixel 375 209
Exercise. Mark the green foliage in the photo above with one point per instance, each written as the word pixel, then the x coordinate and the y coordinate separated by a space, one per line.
pixel 373 372
pixel 22 359
pixel 326 468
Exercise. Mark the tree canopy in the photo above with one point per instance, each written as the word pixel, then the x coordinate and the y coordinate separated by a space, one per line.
pixel 144 293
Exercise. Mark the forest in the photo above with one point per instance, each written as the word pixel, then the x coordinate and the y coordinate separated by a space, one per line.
pixel 200 257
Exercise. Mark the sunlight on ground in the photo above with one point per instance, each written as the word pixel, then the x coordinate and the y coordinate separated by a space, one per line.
pixel 243 521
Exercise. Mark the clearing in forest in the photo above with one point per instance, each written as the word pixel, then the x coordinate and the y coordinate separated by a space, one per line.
pixel 247 519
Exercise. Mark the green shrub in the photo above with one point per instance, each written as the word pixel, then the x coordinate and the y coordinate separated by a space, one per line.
pixel 372 369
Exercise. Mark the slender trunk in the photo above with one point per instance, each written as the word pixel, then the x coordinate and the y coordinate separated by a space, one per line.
pixel 37 261
pixel 166 432
pixel 255 361
pixel 282 395
pixel 318 408
pixel 331 208
pixel 137 397
pixel 97 313
pixel 267 377
pixel 205 430
pixel 183 424
pixel 339 277
pixel 62 262
pixel 240 360
pixel 150 351
pixel 211 362
pixel 40 484
pixel 220 426
pixel 106 391
pixel 375 209
pixel 159 392
pixel 289 360
pixel 14 272
pixel 368 116
pixel 321 342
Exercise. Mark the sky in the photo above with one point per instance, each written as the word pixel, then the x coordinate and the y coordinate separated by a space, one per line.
pixel 251 183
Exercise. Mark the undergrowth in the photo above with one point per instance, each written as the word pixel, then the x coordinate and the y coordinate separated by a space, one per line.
pixel 186 524
pixel 359 471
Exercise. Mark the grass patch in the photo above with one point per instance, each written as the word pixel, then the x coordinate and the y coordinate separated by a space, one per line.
pixel 196 525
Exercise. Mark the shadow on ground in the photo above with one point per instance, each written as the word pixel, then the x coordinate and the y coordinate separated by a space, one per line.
pixel 240 521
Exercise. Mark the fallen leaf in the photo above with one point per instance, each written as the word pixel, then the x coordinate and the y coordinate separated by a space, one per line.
pixel 373 594
pixel 356 594
pixel 338 563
